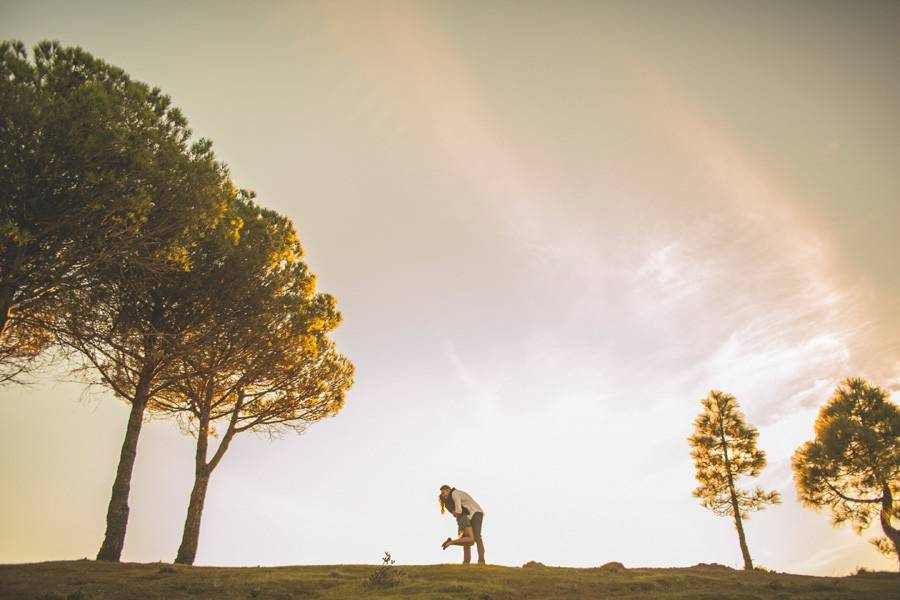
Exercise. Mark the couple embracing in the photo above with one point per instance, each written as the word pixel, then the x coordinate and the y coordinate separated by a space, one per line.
pixel 469 518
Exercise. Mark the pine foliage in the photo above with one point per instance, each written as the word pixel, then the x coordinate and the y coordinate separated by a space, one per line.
pixel 853 464
pixel 724 449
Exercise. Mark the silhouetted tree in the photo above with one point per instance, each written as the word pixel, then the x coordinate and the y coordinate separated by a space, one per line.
pixel 724 449
pixel 82 148
pixel 103 198
pixel 126 328
pixel 853 464
pixel 266 363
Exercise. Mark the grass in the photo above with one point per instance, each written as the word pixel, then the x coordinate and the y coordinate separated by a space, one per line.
pixel 89 580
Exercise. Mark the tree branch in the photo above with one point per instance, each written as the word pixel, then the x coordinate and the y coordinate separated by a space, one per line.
pixel 848 499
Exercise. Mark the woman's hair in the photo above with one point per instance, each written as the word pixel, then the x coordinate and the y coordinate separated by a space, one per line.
pixel 446 503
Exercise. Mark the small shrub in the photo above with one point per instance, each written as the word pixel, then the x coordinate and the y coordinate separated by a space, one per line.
pixel 387 575
pixel 712 566
pixel 612 566
pixel 167 569
pixel 531 564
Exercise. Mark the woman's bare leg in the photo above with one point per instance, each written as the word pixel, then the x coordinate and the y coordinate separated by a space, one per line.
pixel 466 540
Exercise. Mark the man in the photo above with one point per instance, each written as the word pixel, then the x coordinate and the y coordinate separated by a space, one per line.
pixel 463 505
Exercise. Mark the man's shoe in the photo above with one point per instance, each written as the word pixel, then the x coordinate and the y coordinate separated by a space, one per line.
pixel 446 543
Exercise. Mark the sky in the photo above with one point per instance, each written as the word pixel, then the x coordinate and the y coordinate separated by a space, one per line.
pixel 551 229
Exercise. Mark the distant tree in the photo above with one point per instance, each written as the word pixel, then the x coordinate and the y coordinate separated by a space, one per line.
pixel 724 449
pixel 83 152
pixel 266 363
pixel 853 464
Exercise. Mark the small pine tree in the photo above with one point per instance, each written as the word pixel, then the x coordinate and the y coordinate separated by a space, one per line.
pixel 724 449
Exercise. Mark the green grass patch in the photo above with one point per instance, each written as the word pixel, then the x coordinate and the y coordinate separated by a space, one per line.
pixel 89 580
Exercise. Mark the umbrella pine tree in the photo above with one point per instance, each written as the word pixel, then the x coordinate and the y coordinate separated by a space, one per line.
pixel 853 464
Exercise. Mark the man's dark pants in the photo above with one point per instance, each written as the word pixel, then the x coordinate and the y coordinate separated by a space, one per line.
pixel 477 520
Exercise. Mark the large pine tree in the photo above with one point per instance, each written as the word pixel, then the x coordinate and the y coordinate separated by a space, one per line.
pixel 260 358
pixel 724 449
pixel 103 195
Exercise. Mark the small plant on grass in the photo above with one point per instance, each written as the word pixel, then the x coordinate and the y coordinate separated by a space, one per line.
pixel 385 576
pixel 533 564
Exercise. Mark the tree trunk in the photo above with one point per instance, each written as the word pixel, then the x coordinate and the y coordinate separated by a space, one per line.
pixel 117 512
pixel 887 509
pixel 745 551
pixel 738 524
pixel 191 535
pixel 5 309
pixel 10 285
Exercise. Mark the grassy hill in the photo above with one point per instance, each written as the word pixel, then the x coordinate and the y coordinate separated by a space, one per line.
pixel 89 580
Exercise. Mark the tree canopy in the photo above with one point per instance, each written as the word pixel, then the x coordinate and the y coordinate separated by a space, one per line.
pixel 98 174
pixel 852 466
pixel 265 362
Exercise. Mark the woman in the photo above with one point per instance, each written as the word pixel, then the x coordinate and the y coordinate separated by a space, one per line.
pixel 466 534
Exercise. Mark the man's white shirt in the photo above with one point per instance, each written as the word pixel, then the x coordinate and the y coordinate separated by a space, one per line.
pixel 463 500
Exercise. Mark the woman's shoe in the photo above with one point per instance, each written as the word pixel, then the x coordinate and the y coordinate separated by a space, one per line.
pixel 446 543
